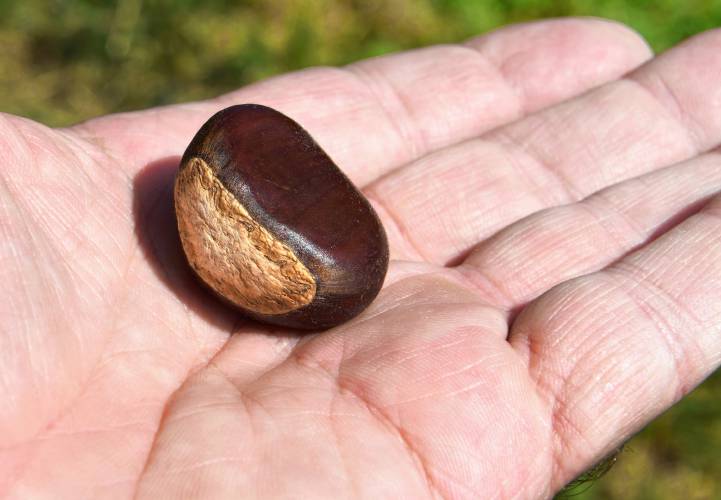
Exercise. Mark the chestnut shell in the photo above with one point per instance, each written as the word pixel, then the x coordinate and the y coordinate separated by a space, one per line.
pixel 289 185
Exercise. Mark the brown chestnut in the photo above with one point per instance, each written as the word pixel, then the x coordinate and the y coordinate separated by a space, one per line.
pixel 271 225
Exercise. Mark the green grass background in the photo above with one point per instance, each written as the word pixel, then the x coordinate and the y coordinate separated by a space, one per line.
pixel 65 61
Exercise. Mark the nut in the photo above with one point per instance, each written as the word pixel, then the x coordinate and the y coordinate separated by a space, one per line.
pixel 270 224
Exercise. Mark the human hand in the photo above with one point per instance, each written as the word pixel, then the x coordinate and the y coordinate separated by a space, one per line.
pixel 553 286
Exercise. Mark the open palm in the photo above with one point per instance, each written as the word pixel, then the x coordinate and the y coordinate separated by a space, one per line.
pixel 549 200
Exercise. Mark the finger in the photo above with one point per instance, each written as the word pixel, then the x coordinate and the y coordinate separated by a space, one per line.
pixel 564 242
pixel 450 200
pixel 611 350
pixel 378 114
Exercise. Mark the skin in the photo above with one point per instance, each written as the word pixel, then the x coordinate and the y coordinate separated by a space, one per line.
pixel 554 231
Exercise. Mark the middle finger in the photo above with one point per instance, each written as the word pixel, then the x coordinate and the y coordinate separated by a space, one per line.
pixel 449 201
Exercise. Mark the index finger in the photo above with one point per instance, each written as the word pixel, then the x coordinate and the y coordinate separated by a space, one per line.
pixel 381 113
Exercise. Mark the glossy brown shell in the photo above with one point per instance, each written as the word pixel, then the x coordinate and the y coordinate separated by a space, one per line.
pixel 291 187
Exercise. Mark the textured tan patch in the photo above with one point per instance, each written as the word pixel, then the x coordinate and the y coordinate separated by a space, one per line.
pixel 232 252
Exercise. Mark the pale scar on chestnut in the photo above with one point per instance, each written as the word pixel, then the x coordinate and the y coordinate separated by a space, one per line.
pixel 231 251
pixel 271 225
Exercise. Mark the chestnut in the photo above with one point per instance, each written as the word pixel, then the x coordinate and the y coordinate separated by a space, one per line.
pixel 271 225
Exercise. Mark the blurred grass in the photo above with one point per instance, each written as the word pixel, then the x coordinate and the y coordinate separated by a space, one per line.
pixel 65 61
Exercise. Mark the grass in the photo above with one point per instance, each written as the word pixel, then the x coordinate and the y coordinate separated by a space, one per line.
pixel 65 61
